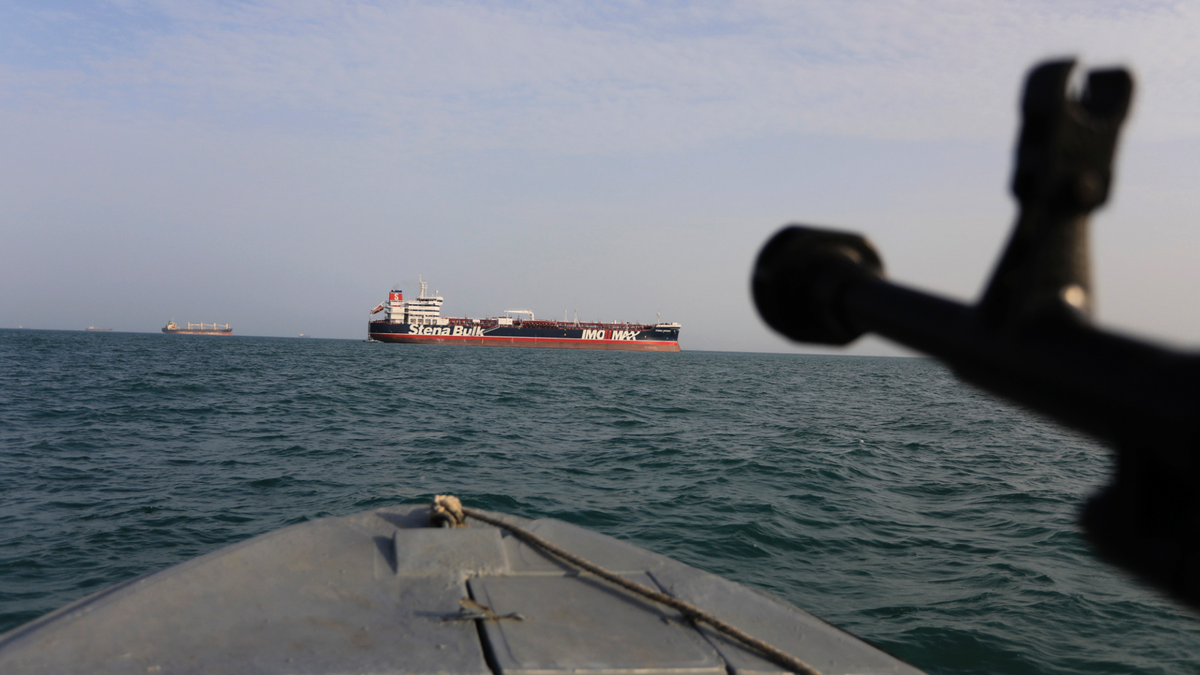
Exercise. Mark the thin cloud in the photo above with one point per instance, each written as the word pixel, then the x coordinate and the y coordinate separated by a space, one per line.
pixel 578 78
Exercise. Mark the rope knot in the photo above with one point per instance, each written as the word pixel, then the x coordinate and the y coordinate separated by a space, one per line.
pixel 447 512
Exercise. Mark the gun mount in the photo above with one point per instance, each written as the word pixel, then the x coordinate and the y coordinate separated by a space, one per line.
pixel 1029 338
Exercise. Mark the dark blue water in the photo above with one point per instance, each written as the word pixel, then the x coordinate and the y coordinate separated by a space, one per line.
pixel 878 493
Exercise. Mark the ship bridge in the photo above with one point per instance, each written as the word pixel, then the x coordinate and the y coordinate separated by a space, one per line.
pixel 424 310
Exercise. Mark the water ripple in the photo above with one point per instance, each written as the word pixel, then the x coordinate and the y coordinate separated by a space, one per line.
pixel 879 494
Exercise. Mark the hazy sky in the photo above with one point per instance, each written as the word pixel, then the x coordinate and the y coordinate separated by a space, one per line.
pixel 281 165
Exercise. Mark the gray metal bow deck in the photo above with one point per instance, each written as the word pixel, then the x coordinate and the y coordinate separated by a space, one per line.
pixel 382 592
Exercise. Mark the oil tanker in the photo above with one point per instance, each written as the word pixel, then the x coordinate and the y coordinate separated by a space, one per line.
pixel 420 321
pixel 173 328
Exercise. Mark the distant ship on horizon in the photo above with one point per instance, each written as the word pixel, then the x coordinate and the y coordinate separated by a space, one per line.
pixel 96 329
pixel 173 328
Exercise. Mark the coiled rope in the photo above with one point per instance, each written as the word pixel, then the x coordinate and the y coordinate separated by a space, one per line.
pixel 448 511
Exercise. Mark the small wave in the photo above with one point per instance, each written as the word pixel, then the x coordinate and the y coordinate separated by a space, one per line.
pixel 879 493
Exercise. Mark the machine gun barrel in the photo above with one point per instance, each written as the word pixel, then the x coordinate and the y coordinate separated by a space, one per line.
pixel 1029 338
pixel 1114 388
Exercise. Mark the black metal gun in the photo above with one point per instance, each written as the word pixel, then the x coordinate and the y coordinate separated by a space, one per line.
pixel 1029 338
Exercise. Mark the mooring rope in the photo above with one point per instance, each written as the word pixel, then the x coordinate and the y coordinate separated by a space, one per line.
pixel 448 511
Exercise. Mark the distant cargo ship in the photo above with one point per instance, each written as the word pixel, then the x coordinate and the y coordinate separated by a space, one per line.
pixel 94 329
pixel 419 321
pixel 173 328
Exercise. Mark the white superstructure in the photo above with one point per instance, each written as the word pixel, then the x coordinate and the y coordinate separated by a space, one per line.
pixel 425 310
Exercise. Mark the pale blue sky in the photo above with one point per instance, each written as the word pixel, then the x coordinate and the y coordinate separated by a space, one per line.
pixel 280 165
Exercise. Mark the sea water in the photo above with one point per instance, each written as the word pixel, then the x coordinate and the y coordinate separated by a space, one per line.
pixel 878 493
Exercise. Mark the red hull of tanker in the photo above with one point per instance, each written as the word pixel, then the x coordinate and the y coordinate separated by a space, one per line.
pixel 537 343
